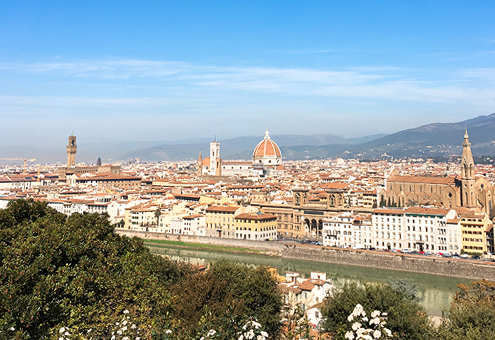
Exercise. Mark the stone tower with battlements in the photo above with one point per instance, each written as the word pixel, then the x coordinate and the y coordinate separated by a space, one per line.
pixel 71 151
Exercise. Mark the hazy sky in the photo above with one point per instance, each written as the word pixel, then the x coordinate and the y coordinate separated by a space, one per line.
pixel 164 70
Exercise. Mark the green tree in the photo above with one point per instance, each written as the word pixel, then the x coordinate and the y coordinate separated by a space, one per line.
pixel 406 318
pixel 75 271
pixel 224 296
pixel 472 313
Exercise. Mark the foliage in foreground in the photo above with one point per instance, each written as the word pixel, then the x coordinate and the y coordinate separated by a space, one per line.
pixel 223 296
pixel 74 273
pixel 472 313
pixel 406 318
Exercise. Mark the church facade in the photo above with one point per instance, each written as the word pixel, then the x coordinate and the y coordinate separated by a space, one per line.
pixel 467 191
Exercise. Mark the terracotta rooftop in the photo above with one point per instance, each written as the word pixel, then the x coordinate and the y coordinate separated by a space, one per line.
pixel 417 179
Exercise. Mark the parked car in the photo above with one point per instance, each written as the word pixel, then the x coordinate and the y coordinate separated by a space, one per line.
pixel 406 251
pixel 428 253
pixel 439 255
pixel 464 256
pixel 447 255
pixel 476 257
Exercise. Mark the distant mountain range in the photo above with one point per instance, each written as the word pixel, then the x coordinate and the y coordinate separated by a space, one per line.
pixel 427 141
pixel 240 147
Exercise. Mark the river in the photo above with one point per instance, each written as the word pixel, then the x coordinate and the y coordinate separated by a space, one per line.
pixel 436 291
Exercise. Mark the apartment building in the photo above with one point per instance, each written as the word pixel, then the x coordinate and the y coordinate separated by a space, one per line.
pixel 255 227
pixel 474 229
pixel 388 228
pixel 220 221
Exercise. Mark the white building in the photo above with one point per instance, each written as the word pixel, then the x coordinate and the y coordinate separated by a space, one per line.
pixel 417 228
pixel 307 293
pixel 348 230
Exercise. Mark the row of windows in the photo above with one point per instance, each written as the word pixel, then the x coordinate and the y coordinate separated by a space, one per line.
pixel 472 239
pixel 472 232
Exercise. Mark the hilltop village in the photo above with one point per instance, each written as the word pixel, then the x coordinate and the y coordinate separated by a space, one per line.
pixel 411 205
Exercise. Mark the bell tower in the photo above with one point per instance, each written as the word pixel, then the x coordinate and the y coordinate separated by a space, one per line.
pixel 468 198
pixel 200 164
pixel 71 151
pixel 215 160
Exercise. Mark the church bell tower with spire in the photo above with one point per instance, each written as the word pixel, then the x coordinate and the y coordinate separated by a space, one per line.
pixel 468 198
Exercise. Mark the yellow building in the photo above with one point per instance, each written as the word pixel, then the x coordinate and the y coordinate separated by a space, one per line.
pixel 474 229
pixel 255 226
pixel 220 221
pixel 141 218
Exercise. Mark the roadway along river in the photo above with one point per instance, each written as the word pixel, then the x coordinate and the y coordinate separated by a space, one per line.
pixel 436 291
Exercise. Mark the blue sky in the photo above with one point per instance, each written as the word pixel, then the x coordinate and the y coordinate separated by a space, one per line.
pixel 167 70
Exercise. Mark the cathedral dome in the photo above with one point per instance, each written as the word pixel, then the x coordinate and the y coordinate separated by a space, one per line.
pixel 267 148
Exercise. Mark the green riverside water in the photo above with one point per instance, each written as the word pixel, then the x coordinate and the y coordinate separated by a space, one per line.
pixel 436 291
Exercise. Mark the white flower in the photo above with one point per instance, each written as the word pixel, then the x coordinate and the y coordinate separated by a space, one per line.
pixel 256 325
pixel 355 326
pixel 168 331
pixel 62 330
pixel 374 321
pixel 126 312
pixel 211 332
pixel 349 335
pixel 66 333
pixel 350 318
pixel 389 333
pixel 124 323
pixel 12 328
pixel 124 328
pixel 250 334
pixel 119 332
pixel 375 314
pixel 377 334
pixel 125 338
pixel 265 334
pixel 60 338
pixel 241 337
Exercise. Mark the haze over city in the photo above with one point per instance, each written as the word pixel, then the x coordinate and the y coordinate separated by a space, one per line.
pixel 121 71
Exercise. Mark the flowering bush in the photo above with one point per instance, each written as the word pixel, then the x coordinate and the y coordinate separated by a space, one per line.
pixel 376 325
pixel 251 330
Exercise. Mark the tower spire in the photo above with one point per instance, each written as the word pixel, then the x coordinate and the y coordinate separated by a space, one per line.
pixel 467 173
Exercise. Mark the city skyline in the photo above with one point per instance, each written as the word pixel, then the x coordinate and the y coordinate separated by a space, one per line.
pixel 122 71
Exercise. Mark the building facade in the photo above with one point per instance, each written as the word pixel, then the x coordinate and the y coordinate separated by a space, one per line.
pixel 448 192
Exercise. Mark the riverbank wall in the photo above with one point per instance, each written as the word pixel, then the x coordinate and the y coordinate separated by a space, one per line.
pixel 466 269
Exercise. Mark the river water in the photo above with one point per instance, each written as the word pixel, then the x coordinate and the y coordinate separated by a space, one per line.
pixel 436 291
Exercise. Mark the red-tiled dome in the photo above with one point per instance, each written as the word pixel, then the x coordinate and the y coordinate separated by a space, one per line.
pixel 267 147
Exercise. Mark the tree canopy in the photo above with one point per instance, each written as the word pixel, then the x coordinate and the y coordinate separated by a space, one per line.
pixel 406 317
pixel 76 273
